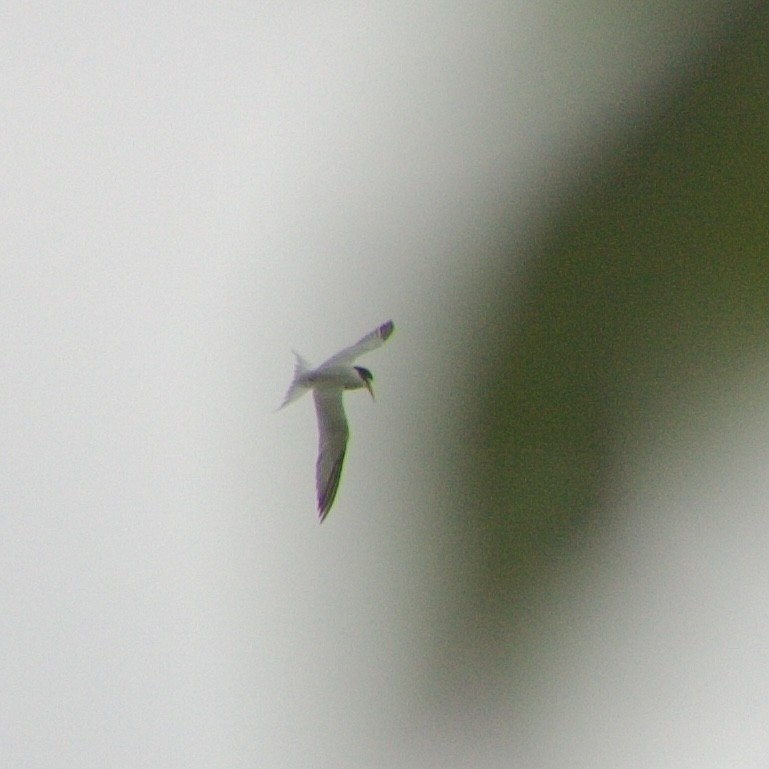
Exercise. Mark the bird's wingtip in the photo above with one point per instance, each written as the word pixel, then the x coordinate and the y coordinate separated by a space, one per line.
pixel 324 506
pixel 386 329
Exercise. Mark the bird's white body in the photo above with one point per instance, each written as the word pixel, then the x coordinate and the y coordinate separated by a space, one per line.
pixel 334 377
pixel 328 382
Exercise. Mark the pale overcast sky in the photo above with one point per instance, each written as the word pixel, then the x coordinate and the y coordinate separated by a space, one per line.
pixel 189 191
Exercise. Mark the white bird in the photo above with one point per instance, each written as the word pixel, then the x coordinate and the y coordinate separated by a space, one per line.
pixel 328 382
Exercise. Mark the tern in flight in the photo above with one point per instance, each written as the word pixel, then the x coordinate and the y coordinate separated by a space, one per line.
pixel 328 383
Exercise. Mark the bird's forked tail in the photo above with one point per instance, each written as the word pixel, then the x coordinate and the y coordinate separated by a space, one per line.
pixel 298 385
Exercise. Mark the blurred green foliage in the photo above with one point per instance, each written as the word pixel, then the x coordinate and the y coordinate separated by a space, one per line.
pixel 649 279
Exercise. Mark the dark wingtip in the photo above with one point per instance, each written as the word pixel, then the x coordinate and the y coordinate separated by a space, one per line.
pixel 386 329
pixel 323 507
pixel 327 496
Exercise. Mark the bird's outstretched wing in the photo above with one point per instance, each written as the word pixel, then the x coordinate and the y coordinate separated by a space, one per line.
pixel 332 444
pixel 369 342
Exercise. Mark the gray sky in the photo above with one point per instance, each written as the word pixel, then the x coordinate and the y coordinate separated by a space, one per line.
pixel 187 195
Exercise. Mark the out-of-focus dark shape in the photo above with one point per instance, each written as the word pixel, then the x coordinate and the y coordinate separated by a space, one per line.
pixel 650 278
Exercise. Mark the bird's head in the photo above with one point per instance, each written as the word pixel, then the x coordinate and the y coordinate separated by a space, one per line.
pixel 366 377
